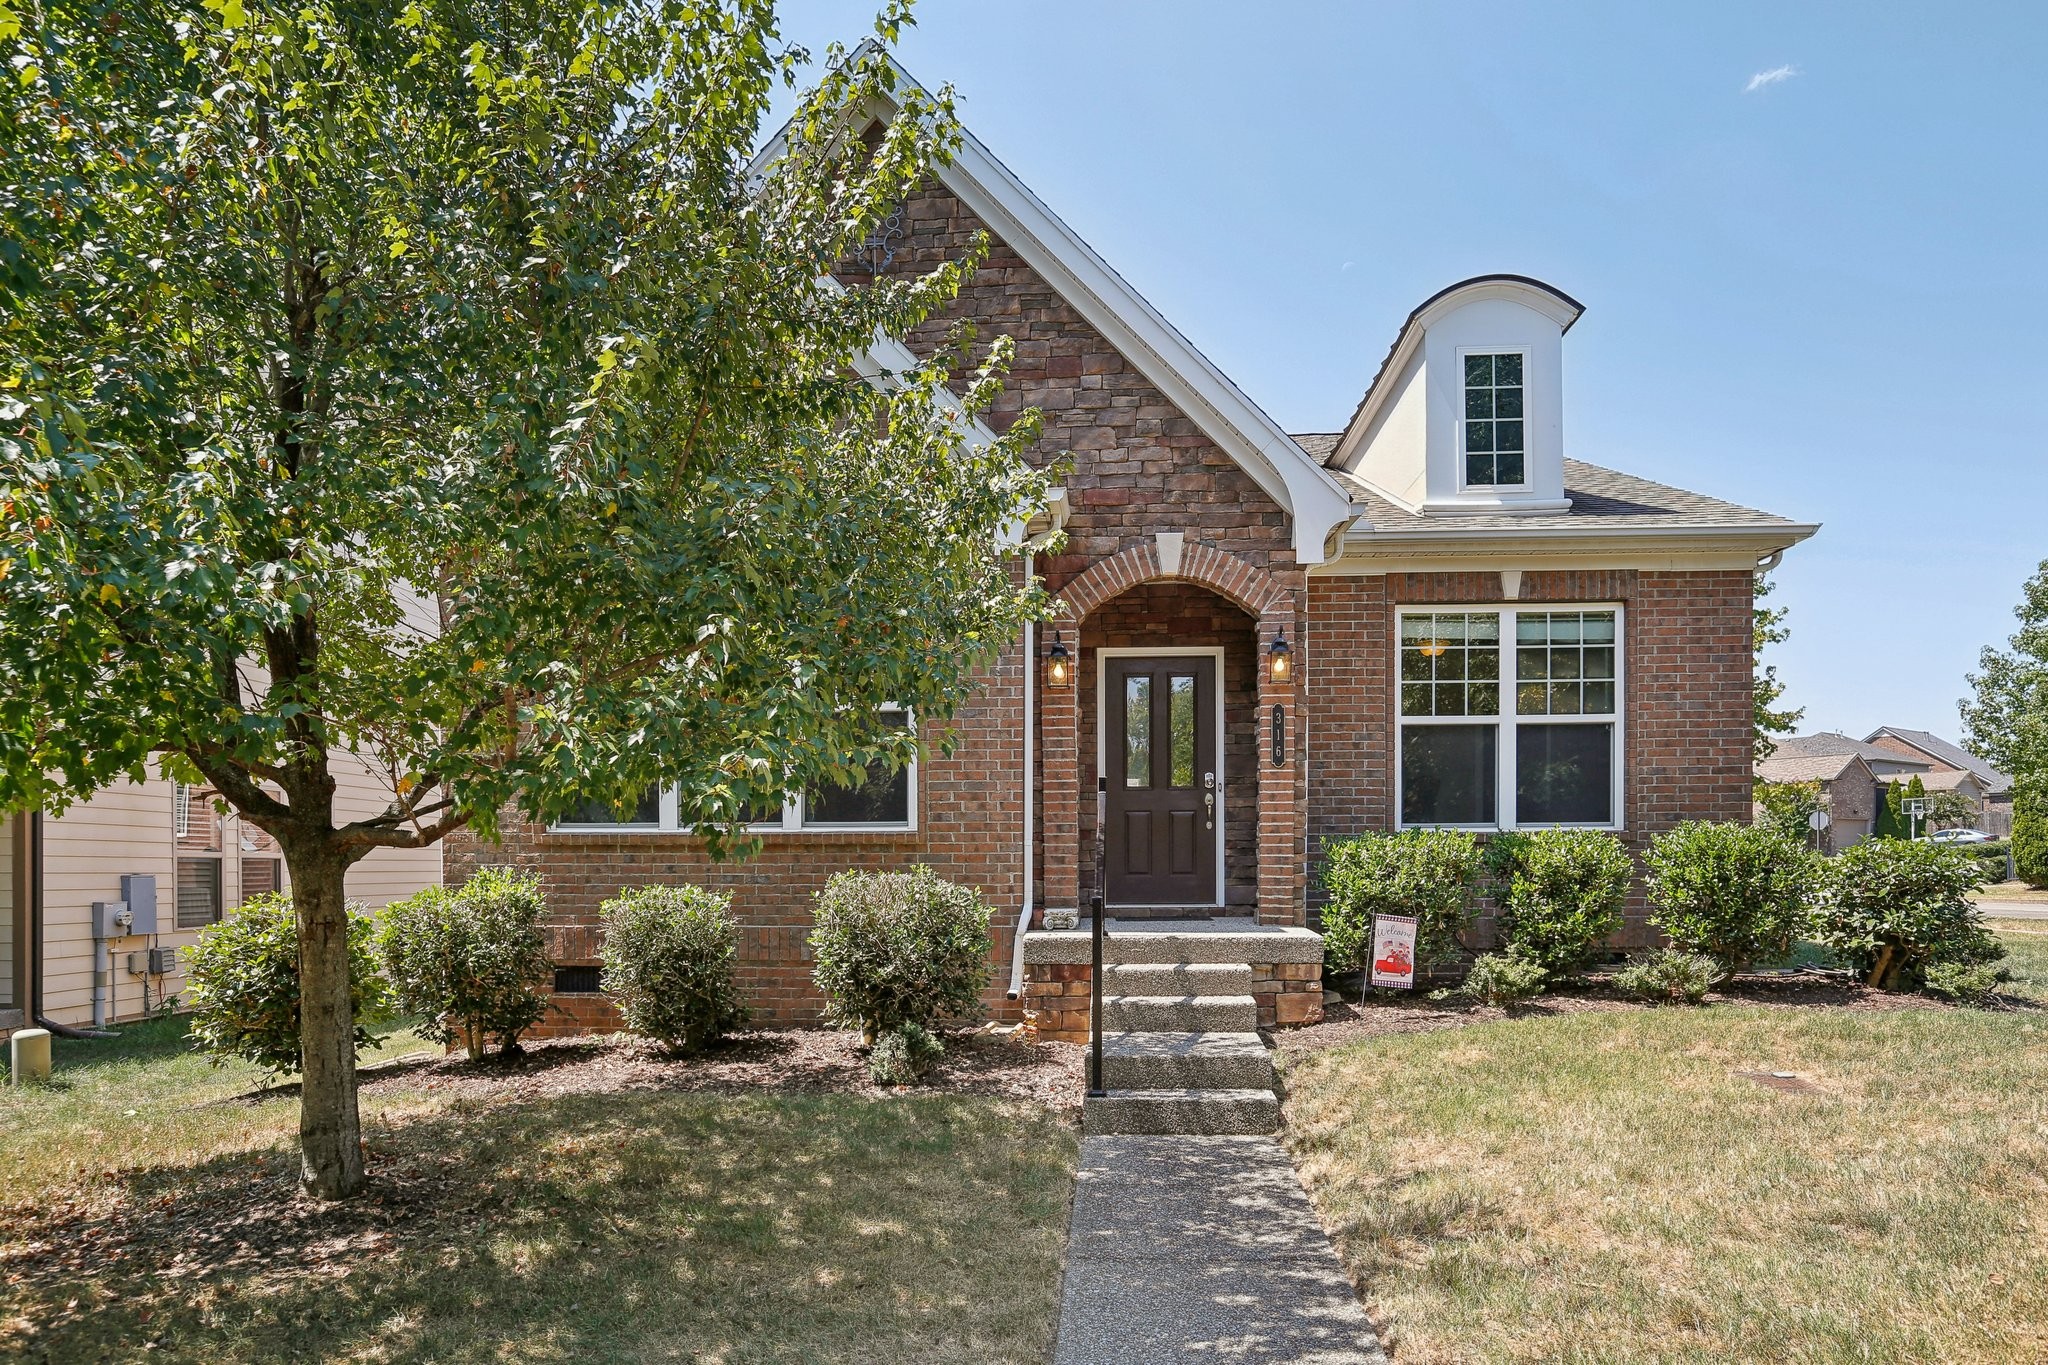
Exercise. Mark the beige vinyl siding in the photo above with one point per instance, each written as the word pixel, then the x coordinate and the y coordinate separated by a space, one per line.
pixel 124 829
pixel 8 956
pixel 129 827
pixel 387 874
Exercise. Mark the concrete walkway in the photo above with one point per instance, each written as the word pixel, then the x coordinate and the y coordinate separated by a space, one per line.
pixel 1202 1249
pixel 1998 909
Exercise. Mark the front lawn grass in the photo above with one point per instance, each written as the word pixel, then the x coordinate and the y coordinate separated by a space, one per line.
pixel 149 1210
pixel 1608 1185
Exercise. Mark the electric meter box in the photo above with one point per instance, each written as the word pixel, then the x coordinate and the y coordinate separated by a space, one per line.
pixel 139 890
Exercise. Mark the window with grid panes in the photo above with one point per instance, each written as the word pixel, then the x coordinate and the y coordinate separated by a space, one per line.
pixel 1496 449
pixel 1542 751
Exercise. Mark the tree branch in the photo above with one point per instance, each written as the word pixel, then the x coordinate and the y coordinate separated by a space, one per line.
pixel 365 834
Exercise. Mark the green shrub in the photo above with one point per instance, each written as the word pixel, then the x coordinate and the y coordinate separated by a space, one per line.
pixel 1669 975
pixel 1967 983
pixel 2030 834
pixel 1560 893
pixel 1891 908
pixel 470 960
pixel 242 983
pixel 1737 893
pixel 668 955
pixel 899 948
pixel 1504 979
pixel 1787 806
pixel 1427 873
pixel 903 1054
pixel 1991 858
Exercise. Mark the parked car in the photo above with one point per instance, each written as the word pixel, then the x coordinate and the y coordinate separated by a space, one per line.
pixel 1959 836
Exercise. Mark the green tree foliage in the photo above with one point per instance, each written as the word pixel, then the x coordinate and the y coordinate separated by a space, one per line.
pixel 1891 822
pixel 1787 807
pixel 242 984
pixel 893 948
pixel 2006 722
pixel 1560 895
pixel 669 954
pixel 469 961
pixel 1770 629
pixel 1891 908
pixel 319 312
pixel 1427 873
pixel 2030 834
pixel 1735 893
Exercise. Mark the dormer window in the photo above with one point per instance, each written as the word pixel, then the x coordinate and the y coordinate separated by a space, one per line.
pixel 1496 450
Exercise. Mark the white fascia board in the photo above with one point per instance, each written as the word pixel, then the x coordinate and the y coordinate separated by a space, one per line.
pixel 1315 502
pixel 1673 547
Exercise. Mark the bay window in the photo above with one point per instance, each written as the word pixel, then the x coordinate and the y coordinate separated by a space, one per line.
pixel 1510 717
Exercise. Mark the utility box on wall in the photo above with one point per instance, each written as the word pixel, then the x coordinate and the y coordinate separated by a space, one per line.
pixel 139 890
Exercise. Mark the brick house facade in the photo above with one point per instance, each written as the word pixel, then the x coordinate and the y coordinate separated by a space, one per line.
pixel 1197 537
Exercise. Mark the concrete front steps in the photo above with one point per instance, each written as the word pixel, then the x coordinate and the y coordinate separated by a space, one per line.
pixel 1181 1053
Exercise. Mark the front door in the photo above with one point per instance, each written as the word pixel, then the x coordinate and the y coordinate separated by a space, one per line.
pixel 1165 795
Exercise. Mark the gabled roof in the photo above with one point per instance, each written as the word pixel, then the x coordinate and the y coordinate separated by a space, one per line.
pixel 1825 743
pixel 1942 751
pixel 1317 504
pixel 1783 767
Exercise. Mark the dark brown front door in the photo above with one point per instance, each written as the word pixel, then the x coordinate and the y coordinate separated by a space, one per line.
pixel 1165 795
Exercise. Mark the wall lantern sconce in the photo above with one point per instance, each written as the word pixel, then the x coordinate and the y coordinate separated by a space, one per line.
pixel 1280 657
pixel 1059 666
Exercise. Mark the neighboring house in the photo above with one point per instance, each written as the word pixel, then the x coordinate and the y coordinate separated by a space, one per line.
pixel 1430 617
pixel 1990 788
pixel 53 868
pixel 1849 789
pixel 1883 762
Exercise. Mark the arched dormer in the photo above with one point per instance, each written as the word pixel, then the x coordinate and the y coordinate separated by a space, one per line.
pixel 1467 412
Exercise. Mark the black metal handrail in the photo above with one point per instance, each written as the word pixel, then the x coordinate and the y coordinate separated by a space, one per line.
pixel 1095 932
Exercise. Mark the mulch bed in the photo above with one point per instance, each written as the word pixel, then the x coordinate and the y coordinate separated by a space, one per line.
pixel 1380 1016
pixel 809 1061
pixel 238 1220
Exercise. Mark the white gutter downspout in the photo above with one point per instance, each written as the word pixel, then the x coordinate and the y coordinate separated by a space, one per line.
pixel 1030 769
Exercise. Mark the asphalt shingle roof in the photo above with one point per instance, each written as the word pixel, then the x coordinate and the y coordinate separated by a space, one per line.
pixel 1955 755
pixel 1603 498
pixel 1814 745
pixel 1782 767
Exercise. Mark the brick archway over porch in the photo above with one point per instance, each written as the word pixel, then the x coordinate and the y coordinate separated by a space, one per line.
pixel 1281 816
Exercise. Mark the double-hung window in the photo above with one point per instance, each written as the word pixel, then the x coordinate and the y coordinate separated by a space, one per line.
pixel 877 800
pixel 1510 717
pixel 1496 447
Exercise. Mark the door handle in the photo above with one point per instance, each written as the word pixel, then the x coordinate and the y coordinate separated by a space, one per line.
pixel 1209 802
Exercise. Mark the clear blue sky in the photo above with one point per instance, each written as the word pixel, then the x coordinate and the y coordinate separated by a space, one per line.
pixel 1823 295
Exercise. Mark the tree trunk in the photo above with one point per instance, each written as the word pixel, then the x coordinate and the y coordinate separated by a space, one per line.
pixel 330 1133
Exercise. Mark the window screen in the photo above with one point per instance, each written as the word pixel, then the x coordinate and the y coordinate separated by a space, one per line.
pixel 198 892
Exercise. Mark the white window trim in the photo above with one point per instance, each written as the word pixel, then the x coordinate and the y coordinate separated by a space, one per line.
pixel 1524 485
pixel 1214 652
pixel 1504 723
pixel 669 821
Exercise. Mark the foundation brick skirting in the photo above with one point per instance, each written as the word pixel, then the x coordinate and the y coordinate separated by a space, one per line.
pixel 1056 996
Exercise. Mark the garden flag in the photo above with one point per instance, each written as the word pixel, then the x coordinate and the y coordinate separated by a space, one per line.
pixel 1393 950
